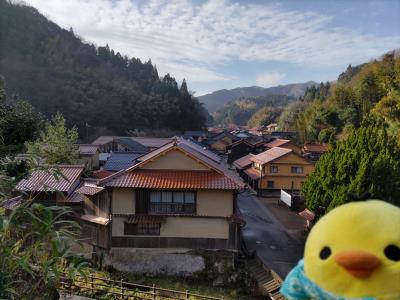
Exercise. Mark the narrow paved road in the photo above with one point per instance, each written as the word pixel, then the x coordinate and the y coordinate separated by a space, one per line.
pixel 264 233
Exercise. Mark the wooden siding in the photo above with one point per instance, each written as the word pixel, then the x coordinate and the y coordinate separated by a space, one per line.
pixel 98 205
pixel 95 234
pixel 232 243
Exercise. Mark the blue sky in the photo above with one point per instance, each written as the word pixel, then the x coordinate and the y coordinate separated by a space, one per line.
pixel 219 44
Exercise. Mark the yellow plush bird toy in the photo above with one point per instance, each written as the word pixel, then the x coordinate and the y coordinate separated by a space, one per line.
pixel 353 252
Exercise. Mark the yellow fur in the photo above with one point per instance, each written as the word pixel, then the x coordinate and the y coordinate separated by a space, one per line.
pixel 367 226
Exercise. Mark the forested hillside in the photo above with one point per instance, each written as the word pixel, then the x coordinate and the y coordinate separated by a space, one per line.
pixel 56 71
pixel 254 111
pixel 334 109
pixel 216 100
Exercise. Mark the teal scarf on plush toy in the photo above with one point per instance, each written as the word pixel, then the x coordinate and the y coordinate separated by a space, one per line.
pixel 297 286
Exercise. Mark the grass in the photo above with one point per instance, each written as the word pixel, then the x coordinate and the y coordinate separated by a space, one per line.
pixel 181 284
pixel 166 282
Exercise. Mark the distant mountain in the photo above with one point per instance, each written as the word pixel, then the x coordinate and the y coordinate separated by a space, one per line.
pixel 217 99
pixel 239 112
pixel 95 88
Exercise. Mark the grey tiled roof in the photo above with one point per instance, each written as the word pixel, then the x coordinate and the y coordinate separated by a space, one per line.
pixel 120 161
pixel 132 145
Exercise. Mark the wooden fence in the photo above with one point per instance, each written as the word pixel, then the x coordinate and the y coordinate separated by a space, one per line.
pixel 104 288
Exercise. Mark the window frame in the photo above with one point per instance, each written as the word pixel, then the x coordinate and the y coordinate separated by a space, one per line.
pixel 171 208
pixel 269 186
pixel 273 167
pixel 297 168
pixel 137 228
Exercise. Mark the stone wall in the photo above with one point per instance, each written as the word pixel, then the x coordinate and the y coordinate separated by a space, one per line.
pixel 171 262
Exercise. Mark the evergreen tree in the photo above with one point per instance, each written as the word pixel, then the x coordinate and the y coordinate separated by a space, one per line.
pixel 369 92
pixel 184 89
pixel 367 161
pixel 19 122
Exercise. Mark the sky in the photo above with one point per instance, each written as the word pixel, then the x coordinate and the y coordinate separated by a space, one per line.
pixel 219 44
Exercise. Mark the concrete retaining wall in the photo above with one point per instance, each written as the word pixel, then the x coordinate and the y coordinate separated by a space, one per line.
pixel 154 262
pixel 171 262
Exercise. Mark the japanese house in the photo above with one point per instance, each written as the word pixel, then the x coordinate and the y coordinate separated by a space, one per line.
pixel 220 141
pixel 276 168
pixel 177 196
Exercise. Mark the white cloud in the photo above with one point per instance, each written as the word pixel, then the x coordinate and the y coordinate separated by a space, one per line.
pixel 193 41
pixel 269 79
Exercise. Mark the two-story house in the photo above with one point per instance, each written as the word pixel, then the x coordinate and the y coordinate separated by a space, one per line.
pixel 177 196
pixel 276 168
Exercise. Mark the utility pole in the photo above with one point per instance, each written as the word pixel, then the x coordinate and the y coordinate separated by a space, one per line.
pixel 87 132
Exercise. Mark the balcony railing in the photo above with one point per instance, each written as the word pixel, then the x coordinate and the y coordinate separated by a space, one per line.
pixel 172 208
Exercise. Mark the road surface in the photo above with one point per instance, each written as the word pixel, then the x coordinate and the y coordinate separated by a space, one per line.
pixel 278 247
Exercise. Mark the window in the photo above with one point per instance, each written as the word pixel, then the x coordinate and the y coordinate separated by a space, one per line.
pixel 172 202
pixel 129 228
pixel 142 228
pixel 273 169
pixel 297 170
pixel 270 184
pixel 155 197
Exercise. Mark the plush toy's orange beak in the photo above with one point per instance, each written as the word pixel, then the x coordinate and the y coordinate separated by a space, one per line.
pixel 358 263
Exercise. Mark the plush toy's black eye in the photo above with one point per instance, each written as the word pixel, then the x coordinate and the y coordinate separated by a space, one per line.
pixel 392 252
pixel 325 253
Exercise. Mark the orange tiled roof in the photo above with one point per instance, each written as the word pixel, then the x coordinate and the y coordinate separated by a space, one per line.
pixel 42 180
pixel 317 148
pixel 243 162
pixel 277 143
pixel 270 155
pixel 173 179
pixel 102 174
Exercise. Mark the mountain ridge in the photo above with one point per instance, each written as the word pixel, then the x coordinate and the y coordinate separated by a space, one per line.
pixel 99 90
pixel 217 99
